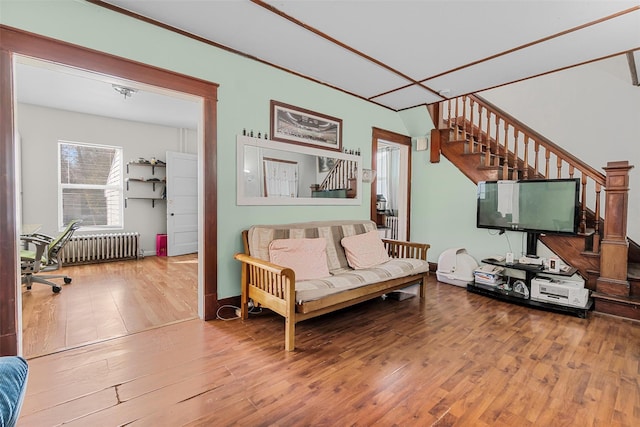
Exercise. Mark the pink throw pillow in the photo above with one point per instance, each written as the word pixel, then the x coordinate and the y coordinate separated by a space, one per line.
pixel 306 257
pixel 364 250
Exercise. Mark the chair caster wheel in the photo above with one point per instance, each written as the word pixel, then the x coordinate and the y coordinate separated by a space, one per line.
pixel 67 280
pixel 56 289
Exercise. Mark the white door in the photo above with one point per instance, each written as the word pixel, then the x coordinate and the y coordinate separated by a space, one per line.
pixel 182 203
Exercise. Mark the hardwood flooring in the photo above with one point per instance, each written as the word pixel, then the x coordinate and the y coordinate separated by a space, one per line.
pixel 452 359
pixel 108 300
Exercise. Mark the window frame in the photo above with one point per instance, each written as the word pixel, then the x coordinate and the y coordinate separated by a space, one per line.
pixel 116 187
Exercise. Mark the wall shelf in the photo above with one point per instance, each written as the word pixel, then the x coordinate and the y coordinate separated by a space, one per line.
pixel 153 200
pixel 144 178
pixel 152 165
pixel 149 181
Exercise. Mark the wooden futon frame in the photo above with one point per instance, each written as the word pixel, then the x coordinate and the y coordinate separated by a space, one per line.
pixel 273 287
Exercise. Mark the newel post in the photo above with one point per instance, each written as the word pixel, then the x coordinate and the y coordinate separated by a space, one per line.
pixel 614 246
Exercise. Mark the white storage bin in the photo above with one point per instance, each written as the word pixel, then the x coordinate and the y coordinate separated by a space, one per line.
pixel 455 267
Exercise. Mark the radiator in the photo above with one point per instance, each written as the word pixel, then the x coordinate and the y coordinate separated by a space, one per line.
pixel 94 248
pixel 392 224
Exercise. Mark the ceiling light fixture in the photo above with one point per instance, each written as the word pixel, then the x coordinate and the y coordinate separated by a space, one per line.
pixel 127 92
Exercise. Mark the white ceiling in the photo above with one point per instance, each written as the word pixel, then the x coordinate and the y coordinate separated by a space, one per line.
pixel 55 86
pixel 404 53
pixel 396 53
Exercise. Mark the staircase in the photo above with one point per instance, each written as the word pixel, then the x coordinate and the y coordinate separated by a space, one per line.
pixel 487 144
pixel 343 175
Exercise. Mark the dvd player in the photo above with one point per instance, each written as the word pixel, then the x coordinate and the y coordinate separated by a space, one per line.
pixel 531 260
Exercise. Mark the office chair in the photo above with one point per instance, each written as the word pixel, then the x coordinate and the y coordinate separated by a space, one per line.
pixel 44 256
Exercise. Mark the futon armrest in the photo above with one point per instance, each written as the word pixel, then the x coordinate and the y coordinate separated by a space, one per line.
pixel 263 280
pixel 402 249
pixel 264 265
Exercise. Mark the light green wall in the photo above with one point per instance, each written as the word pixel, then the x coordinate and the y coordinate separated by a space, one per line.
pixel 443 212
pixel 246 87
pixel 417 120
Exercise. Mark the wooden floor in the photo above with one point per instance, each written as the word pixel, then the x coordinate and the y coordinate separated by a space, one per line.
pixel 452 359
pixel 108 300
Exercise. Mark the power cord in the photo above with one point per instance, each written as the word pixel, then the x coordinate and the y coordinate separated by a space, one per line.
pixel 219 316
pixel 506 235
pixel 252 310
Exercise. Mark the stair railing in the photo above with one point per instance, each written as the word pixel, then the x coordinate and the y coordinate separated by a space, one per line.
pixel 522 153
pixel 342 175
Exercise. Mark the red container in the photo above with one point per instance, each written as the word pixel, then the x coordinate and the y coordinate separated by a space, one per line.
pixel 161 245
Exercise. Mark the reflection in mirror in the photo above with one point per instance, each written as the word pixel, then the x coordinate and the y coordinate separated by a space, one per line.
pixel 276 173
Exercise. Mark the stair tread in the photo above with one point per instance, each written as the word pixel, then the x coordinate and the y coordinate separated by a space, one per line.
pixel 617 298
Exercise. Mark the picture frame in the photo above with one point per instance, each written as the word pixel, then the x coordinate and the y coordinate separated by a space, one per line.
pixel 325 164
pixel 300 126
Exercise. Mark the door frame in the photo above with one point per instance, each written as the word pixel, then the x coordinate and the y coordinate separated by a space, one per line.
pixel 399 139
pixel 20 42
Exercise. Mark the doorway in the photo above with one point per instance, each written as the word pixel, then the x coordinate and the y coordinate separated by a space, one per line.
pixel 16 42
pixel 391 190
pixel 120 297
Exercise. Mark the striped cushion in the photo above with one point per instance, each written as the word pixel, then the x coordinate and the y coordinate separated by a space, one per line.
pixel 309 290
pixel 260 236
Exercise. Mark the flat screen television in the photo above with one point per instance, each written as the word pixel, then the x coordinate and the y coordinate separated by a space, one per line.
pixel 547 206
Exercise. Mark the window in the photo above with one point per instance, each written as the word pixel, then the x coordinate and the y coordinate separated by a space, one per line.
pixel 90 185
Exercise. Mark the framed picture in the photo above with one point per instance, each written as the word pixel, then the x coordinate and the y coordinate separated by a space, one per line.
pixel 300 126
pixel 325 164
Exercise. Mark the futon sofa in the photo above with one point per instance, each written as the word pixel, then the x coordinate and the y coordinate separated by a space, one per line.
pixel 304 270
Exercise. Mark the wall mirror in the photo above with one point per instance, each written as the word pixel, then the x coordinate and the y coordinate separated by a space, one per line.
pixel 277 173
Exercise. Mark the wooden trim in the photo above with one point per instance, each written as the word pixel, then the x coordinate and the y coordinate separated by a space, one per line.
pixel 533 43
pixel 345 46
pixel 8 220
pixel 228 49
pixel 396 138
pixel 371 99
pixel 210 214
pixel 16 41
pixel 633 68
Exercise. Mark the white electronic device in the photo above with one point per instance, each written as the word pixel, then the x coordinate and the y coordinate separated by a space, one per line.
pixel 509 259
pixel 558 291
pixel 531 260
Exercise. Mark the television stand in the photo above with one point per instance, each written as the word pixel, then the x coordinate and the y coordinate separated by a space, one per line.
pixel 518 298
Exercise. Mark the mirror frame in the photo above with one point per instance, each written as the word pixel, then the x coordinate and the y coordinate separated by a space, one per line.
pixel 242 200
